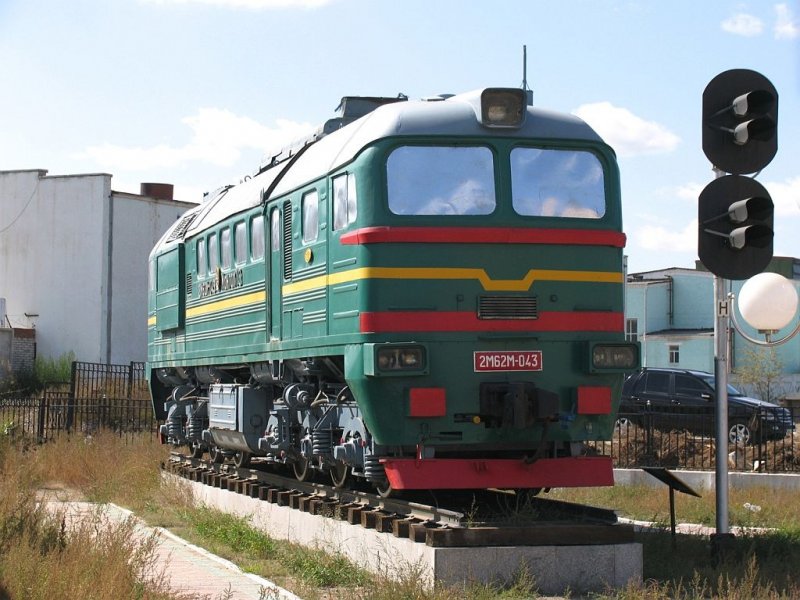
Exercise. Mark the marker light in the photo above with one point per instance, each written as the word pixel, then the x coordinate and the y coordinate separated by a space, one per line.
pixel 615 356
pixel 393 358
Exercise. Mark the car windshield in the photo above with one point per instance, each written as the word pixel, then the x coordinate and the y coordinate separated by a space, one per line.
pixel 709 379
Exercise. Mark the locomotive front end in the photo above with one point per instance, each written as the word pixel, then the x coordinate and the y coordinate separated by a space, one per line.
pixel 491 292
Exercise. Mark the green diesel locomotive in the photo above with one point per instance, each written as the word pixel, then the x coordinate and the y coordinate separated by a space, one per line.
pixel 423 295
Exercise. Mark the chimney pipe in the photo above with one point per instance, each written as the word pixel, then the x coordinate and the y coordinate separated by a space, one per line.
pixel 159 191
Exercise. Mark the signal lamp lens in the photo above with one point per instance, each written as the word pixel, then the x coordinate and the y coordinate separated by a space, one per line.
pixel 394 358
pixel 615 357
pixel 503 107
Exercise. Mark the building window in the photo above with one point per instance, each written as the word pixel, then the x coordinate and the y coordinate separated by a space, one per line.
pixel 631 330
pixel 674 355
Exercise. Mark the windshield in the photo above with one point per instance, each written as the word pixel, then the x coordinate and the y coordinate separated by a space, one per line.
pixel 441 180
pixel 460 180
pixel 557 183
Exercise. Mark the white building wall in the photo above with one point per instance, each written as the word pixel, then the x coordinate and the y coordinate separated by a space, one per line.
pixel 73 264
pixel 135 218
pixel 51 258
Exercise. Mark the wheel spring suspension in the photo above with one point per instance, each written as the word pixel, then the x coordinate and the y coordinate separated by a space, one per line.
pixel 194 428
pixel 322 442
pixel 175 428
pixel 373 469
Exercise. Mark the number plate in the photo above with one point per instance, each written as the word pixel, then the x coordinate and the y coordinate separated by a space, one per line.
pixel 508 360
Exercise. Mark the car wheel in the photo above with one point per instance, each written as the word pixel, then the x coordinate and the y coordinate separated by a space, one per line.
pixel 739 433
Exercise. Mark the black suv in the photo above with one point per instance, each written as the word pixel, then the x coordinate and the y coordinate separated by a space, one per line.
pixel 671 399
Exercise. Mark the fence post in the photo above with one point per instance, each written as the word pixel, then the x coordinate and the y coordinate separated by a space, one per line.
pixel 40 426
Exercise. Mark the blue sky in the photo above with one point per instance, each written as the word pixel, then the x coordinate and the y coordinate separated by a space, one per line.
pixel 193 92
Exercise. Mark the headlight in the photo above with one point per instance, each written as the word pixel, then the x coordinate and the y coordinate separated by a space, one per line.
pixel 503 107
pixel 623 357
pixel 395 358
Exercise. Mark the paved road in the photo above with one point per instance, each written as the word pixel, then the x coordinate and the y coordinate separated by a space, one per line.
pixel 189 569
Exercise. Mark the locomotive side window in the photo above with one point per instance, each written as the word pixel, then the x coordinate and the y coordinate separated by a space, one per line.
pixel 225 246
pixel 275 226
pixel 310 208
pixel 240 243
pixel 345 206
pixel 441 180
pixel 557 183
pixel 213 253
pixel 202 260
pixel 257 237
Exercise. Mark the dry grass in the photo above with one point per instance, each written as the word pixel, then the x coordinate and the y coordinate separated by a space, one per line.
pixel 40 557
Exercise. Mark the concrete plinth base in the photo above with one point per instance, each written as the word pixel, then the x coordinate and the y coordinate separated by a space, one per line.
pixel 580 569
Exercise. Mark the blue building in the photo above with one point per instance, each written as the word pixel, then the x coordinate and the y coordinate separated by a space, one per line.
pixel 671 313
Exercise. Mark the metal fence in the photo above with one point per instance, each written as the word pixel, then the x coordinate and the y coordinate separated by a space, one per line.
pixel 98 397
pixel 648 439
pixel 115 398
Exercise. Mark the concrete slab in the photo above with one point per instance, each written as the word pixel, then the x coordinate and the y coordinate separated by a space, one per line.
pixel 580 569
pixel 704 481
pixel 188 569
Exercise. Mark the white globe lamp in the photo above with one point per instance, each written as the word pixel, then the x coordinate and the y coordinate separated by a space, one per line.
pixel 768 302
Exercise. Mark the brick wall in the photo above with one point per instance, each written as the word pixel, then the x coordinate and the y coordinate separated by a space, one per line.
pixel 23 350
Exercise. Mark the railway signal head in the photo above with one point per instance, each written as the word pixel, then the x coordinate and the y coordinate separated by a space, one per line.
pixel 735 227
pixel 740 121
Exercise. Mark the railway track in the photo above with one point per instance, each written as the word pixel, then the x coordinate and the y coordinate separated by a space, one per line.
pixel 477 518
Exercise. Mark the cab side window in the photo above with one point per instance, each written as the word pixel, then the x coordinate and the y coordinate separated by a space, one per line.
pixel 310 208
pixel 345 205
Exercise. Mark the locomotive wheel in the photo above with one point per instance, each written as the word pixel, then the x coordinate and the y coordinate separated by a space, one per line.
pixel 216 455
pixel 197 449
pixel 241 459
pixel 302 469
pixel 339 474
pixel 384 488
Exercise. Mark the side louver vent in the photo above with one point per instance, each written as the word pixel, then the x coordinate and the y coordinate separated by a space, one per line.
pixel 188 284
pixel 287 241
pixel 182 227
pixel 508 307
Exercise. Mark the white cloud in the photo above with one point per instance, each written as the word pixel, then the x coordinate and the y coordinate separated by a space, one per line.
pixel 690 191
pixel 786 26
pixel 250 4
pixel 628 134
pixel 219 136
pixel 743 24
pixel 785 196
pixel 653 237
